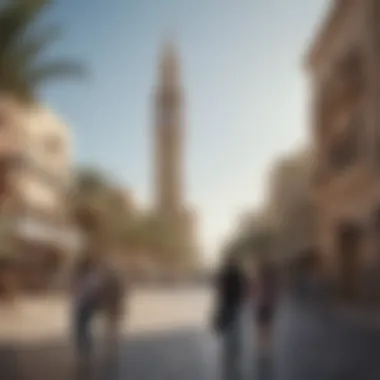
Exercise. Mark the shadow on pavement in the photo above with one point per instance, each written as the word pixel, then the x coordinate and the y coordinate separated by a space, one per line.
pixel 317 344
pixel 184 354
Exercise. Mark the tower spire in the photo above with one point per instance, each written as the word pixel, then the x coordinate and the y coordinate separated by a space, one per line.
pixel 169 133
pixel 169 65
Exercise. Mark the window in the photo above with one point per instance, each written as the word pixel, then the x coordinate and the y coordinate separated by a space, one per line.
pixel 345 150
pixel 342 128
pixel 351 71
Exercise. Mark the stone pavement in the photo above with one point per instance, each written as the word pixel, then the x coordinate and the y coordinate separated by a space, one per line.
pixel 310 343
pixel 165 337
pixel 185 355
pixel 316 344
pixel 181 354
pixel 149 310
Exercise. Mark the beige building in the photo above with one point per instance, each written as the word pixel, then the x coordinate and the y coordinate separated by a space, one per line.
pixel 36 183
pixel 290 201
pixel 343 64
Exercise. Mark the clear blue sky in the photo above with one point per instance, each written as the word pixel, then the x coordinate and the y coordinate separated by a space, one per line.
pixel 246 91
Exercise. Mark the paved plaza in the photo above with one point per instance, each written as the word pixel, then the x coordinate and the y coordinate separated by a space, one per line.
pixel 167 337
pixel 149 310
pixel 178 354
pixel 315 344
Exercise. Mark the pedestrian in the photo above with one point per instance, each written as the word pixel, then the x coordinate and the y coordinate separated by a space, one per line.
pixel 230 320
pixel 266 299
pixel 309 284
pixel 86 290
pixel 114 291
pixel 300 278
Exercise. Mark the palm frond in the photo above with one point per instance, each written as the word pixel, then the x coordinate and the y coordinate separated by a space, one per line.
pixel 89 181
pixel 13 80
pixel 22 47
pixel 31 46
pixel 16 18
pixel 55 70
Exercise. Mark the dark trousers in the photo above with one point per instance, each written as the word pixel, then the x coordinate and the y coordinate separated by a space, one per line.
pixel 83 316
pixel 231 353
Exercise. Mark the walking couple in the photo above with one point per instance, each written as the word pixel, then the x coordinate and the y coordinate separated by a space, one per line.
pixel 242 297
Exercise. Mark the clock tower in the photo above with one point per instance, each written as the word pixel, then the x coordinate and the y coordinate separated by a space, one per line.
pixel 169 143
pixel 169 136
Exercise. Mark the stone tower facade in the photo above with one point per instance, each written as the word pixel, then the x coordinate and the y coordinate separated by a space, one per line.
pixel 169 135
pixel 169 132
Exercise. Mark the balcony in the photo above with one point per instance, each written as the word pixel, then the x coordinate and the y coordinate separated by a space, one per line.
pixel 44 231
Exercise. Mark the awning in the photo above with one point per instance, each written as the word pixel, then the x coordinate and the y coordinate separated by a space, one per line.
pixel 59 235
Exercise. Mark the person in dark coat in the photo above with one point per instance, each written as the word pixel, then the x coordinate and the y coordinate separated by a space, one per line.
pixel 266 302
pixel 87 282
pixel 232 290
pixel 112 297
pixel 267 294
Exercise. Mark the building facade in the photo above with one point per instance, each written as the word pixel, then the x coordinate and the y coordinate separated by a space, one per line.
pixel 291 203
pixel 36 185
pixel 343 63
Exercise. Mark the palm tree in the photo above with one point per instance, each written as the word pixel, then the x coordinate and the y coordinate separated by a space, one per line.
pixel 149 234
pixel 23 69
pixel 103 214
pixel 94 205
pixel 21 47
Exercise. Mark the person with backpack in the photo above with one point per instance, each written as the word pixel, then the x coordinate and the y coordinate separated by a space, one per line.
pixel 267 294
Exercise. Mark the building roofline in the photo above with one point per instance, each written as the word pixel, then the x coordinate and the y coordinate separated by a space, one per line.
pixel 335 15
